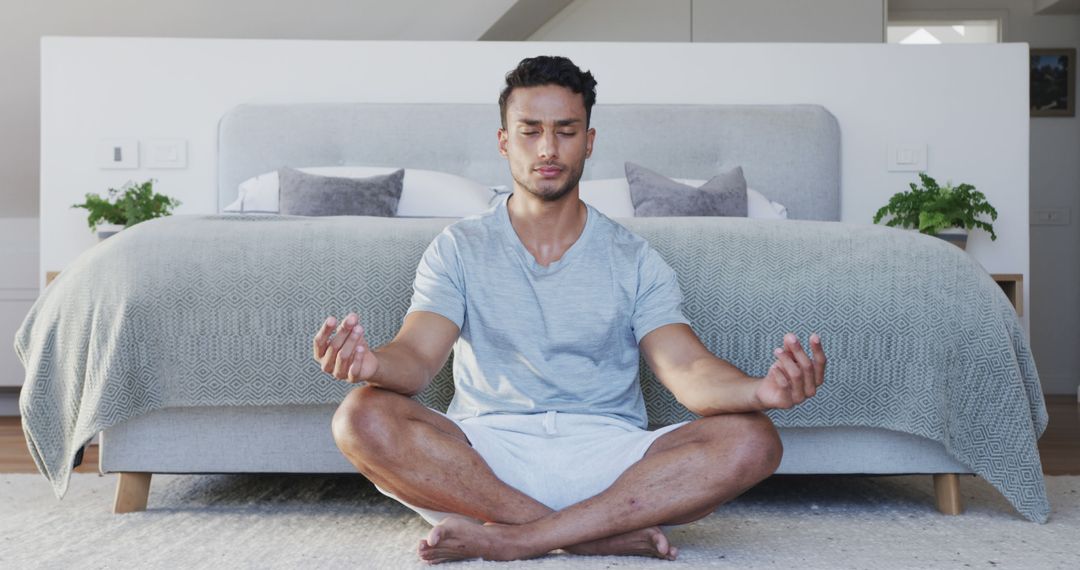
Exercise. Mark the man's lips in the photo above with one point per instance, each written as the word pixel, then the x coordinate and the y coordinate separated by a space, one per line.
pixel 549 171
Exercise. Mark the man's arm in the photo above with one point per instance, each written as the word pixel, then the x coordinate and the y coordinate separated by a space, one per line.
pixel 405 365
pixel 708 385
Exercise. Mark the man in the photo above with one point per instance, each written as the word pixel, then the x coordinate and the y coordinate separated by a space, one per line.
pixel 546 303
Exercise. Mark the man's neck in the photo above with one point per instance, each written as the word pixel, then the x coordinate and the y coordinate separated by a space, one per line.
pixel 547 229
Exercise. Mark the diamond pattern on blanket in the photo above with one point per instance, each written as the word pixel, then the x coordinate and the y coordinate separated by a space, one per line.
pixel 219 311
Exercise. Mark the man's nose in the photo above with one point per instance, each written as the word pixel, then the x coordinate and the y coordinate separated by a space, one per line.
pixel 549 146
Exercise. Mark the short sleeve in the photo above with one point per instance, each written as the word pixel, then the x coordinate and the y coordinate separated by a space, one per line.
pixel 659 299
pixel 439 284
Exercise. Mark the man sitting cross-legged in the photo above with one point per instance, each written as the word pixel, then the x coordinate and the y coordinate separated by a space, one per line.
pixel 546 303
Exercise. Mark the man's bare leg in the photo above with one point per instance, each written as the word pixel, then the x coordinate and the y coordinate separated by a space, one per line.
pixel 426 460
pixel 686 474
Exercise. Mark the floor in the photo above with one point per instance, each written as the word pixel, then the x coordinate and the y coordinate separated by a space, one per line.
pixel 1059 445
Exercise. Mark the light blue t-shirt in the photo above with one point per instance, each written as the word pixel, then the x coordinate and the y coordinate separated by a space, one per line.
pixel 535 339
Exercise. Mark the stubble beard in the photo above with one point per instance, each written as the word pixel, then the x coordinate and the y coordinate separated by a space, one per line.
pixel 560 192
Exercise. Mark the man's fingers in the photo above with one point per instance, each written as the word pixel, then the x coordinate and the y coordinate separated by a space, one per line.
pixel 781 379
pixel 345 356
pixel 340 336
pixel 791 342
pixel 354 370
pixel 329 355
pixel 819 359
pixel 322 338
pixel 362 359
pixel 793 373
pixel 343 331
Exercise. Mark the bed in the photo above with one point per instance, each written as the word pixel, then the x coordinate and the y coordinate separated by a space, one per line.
pixel 185 341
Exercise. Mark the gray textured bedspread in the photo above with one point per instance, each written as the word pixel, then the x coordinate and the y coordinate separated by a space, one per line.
pixel 220 310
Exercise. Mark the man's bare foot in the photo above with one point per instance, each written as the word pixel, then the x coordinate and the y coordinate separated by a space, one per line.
pixel 645 542
pixel 458 538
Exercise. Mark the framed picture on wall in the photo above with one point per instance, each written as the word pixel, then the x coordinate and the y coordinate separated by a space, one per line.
pixel 1053 82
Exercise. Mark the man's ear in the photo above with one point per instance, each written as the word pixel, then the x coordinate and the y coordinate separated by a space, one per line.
pixel 503 137
pixel 590 138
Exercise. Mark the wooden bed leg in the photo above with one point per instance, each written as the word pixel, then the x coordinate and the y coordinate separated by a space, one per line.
pixel 132 489
pixel 947 490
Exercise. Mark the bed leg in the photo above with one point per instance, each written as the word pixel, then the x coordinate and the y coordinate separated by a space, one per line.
pixel 132 489
pixel 947 490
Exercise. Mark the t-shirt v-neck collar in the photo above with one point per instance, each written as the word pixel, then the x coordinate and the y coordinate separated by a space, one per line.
pixel 527 257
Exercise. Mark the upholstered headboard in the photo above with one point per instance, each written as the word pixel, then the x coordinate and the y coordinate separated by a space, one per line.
pixel 789 153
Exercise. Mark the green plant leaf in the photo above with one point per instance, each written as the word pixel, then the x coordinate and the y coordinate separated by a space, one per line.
pixel 128 205
pixel 931 208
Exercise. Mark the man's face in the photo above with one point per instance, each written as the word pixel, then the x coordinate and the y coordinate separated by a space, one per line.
pixel 545 140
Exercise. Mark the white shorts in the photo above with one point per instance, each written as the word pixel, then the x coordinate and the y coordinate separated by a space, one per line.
pixel 556 458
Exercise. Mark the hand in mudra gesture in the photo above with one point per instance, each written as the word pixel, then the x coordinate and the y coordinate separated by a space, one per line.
pixel 346 355
pixel 794 377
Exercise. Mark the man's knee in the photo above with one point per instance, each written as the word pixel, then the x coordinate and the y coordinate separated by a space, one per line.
pixel 363 424
pixel 750 444
pixel 759 449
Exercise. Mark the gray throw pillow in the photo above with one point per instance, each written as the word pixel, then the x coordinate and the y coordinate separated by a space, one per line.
pixel 654 194
pixel 303 194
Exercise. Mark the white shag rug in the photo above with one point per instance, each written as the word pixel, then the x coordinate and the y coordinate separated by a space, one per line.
pixel 281 521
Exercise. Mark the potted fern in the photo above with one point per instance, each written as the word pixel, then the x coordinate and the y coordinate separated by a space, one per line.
pixel 124 207
pixel 946 212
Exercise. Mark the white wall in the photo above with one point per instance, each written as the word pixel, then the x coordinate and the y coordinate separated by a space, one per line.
pixel 1055 184
pixel 717 21
pixel 876 91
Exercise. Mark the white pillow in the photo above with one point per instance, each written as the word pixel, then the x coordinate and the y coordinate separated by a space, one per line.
pixel 612 197
pixel 609 195
pixel 425 193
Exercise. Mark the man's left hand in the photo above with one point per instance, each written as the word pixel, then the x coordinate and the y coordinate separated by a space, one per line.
pixel 794 377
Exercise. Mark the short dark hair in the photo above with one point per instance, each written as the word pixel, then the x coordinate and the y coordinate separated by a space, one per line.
pixel 549 70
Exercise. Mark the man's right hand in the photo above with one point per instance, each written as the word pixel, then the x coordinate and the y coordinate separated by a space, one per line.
pixel 346 355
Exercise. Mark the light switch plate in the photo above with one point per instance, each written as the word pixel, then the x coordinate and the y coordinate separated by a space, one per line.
pixel 165 153
pixel 907 158
pixel 118 153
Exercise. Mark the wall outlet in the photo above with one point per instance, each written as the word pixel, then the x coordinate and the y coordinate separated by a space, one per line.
pixel 118 153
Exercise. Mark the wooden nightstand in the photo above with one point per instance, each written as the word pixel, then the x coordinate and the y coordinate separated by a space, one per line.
pixel 1013 286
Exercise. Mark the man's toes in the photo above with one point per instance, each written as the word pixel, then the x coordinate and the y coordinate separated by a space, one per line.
pixel 435 535
pixel 430 556
pixel 660 541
